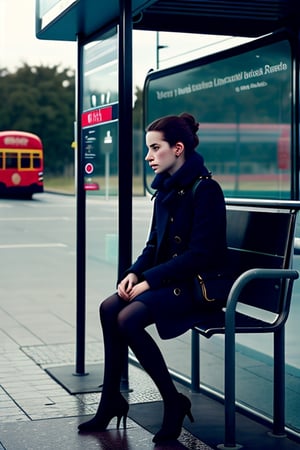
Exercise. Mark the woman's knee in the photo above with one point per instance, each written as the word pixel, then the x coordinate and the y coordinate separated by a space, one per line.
pixel 110 307
pixel 124 323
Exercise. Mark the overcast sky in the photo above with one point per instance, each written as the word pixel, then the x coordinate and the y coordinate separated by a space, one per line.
pixel 19 45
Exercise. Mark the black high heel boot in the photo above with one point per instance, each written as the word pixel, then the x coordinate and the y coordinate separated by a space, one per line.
pixel 173 419
pixel 117 408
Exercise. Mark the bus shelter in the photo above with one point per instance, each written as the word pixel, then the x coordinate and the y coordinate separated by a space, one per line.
pixel 103 32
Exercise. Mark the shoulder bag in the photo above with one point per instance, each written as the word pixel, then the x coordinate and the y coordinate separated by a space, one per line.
pixel 211 287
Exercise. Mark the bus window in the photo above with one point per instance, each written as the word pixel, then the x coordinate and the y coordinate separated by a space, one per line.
pixel 25 160
pixel 1 160
pixel 36 161
pixel 11 161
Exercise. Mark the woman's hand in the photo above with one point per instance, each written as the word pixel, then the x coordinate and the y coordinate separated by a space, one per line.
pixel 138 289
pixel 126 285
pixel 129 288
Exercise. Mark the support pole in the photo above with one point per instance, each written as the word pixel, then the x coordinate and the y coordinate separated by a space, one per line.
pixel 125 147
pixel 80 231
pixel 279 384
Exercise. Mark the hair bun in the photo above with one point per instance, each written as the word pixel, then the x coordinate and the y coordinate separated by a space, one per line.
pixel 178 128
pixel 191 121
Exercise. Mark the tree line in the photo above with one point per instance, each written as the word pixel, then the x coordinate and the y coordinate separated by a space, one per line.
pixel 41 100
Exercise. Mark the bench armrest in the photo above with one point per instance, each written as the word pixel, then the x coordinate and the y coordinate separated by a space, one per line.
pixel 244 279
pixel 230 314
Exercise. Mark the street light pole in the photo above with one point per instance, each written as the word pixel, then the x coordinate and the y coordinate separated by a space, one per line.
pixel 158 48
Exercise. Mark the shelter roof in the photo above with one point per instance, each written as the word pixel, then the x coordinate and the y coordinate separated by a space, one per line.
pixel 249 18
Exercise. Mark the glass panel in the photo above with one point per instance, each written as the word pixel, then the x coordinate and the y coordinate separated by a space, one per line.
pixel 25 160
pixel 243 104
pixel 36 161
pixel 11 160
pixel 99 146
pixel 1 160
pixel 99 117
pixel 100 71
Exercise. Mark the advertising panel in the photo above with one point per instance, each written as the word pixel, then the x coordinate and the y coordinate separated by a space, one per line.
pixel 242 99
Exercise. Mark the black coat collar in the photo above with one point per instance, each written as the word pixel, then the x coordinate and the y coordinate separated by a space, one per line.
pixel 192 169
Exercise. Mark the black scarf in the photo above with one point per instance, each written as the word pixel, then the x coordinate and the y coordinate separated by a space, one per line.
pixel 184 177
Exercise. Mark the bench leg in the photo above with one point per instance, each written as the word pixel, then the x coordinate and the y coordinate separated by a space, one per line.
pixel 279 384
pixel 229 392
pixel 195 361
pixel 229 389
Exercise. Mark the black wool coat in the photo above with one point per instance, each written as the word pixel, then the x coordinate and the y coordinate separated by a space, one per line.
pixel 187 236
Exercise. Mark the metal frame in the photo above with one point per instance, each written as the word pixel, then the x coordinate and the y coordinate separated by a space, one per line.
pixel 229 330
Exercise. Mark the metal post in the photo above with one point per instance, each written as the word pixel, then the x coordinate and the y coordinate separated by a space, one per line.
pixel 80 231
pixel 279 384
pixel 230 381
pixel 125 146
pixel 195 358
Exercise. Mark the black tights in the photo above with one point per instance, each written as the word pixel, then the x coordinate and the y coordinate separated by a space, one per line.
pixel 124 324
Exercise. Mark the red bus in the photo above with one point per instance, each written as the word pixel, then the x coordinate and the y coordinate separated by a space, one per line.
pixel 21 164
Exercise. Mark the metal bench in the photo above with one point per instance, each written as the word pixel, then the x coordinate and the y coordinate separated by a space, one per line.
pixel 260 236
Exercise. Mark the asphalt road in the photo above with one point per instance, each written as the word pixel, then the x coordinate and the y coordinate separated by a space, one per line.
pixel 38 247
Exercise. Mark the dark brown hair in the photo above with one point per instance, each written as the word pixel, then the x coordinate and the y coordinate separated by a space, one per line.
pixel 182 128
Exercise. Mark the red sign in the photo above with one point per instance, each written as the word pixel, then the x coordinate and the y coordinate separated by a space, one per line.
pixel 89 168
pixel 91 186
pixel 96 116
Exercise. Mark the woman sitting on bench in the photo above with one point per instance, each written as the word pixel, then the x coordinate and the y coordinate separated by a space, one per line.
pixel 188 236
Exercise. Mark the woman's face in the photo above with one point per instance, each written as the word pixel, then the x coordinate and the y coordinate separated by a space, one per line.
pixel 161 156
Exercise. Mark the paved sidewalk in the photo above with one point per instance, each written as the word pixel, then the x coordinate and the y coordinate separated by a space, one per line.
pixel 37 413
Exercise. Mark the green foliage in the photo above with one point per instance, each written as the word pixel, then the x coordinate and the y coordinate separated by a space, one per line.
pixel 41 100
pixel 138 109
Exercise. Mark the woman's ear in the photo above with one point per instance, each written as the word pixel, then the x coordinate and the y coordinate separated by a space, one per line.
pixel 179 148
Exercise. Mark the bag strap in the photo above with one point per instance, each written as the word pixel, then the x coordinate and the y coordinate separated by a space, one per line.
pixel 198 181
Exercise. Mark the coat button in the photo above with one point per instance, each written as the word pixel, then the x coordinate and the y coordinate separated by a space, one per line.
pixel 177 291
pixel 177 239
pixel 172 219
pixel 174 255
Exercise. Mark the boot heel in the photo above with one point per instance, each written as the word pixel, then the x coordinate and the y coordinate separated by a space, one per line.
pixel 118 421
pixel 124 420
pixel 190 416
pixel 104 415
pixel 124 415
